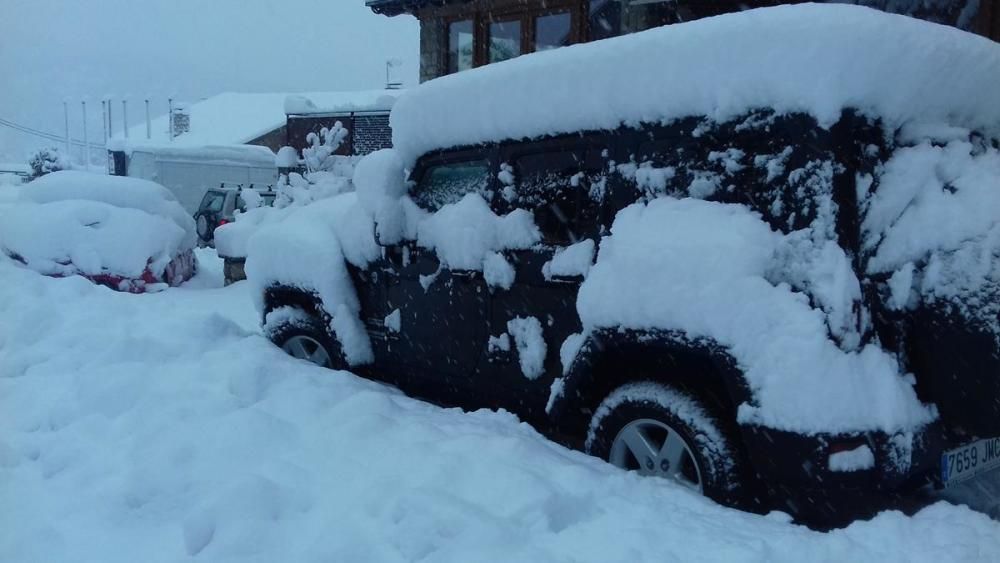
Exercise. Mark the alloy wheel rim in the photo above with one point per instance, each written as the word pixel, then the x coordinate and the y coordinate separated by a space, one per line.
pixel 653 448
pixel 308 349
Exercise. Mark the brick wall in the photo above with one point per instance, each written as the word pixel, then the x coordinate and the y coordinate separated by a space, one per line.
pixel 367 132
pixel 371 133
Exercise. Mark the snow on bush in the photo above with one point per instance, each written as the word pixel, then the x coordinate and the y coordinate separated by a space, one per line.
pixel 319 154
pixel 701 267
pixel 893 67
pixel 69 223
pixel 48 160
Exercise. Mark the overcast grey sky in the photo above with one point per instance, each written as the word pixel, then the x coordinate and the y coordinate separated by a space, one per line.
pixel 54 49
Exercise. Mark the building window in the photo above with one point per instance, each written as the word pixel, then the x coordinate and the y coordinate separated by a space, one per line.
pixel 552 31
pixel 461 47
pixel 604 19
pixel 505 40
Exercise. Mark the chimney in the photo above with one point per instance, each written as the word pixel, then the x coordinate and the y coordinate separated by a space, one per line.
pixel 180 120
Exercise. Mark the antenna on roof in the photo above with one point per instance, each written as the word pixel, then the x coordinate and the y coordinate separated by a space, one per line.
pixel 391 84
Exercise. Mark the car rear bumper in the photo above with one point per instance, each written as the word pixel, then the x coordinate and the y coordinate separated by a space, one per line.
pixel 233 269
pixel 796 470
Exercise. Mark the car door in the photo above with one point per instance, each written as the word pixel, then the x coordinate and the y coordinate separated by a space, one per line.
pixel 560 182
pixel 435 325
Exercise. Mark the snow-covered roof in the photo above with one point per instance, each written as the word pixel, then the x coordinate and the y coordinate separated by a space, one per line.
pixel 228 154
pixel 373 100
pixel 811 58
pixel 233 118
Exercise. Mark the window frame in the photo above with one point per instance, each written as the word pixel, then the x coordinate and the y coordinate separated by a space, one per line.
pixel 434 160
pixel 584 148
pixel 482 15
pixel 446 35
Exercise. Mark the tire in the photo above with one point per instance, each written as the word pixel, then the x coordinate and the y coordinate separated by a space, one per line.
pixel 203 227
pixel 303 336
pixel 658 430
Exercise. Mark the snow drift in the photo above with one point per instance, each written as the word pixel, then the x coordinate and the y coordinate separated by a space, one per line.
pixel 176 432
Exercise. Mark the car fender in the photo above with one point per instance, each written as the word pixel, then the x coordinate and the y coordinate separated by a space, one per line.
pixel 608 358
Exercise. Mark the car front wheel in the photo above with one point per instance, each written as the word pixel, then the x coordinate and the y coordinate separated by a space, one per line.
pixel 303 336
pixel 659 431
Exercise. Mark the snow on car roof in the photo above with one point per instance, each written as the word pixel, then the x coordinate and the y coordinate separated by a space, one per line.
pixel 118 191
pixel 818 59
pixel 233 118
pixel 77 222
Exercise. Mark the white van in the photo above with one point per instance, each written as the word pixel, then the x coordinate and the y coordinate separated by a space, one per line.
pixel 189 172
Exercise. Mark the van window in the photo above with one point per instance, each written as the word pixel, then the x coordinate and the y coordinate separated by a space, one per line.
pixel 447 183
pixel 553 186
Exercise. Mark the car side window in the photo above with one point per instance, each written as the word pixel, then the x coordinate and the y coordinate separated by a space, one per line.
pixel 447 183
pixel 553 186
pixel 267 200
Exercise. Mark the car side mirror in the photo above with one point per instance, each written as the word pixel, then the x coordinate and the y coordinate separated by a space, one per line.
pixel 377 236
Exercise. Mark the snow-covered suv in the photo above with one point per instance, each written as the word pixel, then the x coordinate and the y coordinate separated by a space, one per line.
pixel 766 266
pixel 219 206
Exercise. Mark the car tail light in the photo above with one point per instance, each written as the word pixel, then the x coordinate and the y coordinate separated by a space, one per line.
pixel 845 445
pixel 222 222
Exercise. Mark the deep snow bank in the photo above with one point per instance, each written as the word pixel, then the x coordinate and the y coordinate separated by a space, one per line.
pixel 175 432
pixel 816 59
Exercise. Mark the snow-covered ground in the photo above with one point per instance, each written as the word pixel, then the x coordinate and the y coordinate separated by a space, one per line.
pixel 163 427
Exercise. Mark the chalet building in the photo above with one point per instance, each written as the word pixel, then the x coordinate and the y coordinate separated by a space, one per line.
pixel 460 34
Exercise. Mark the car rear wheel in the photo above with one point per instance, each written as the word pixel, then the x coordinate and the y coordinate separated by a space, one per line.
pixel 659 431
pixel 303 336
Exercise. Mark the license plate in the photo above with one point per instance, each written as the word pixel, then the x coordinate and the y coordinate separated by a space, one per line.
pixel 970 460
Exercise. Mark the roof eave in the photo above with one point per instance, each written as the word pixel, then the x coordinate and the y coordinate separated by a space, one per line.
pixel 397 7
